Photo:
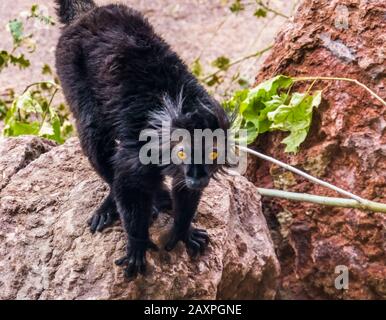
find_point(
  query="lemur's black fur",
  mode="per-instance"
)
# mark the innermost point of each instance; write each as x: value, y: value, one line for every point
x: 117, y: 75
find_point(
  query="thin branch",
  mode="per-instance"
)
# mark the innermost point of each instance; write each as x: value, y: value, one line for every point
x: 343, y: 79
x: 325, y: 201
x: 235, y: 62
x: 40, y: 83
x: 48, y: 107
x: 304, y: 175
x: 358, y: 202
x: 269, y: 9
x: 219, y: 27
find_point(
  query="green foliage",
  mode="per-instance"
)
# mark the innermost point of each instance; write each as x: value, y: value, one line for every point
x: 197, y: 68
x: 237, y: 6
x: 16, y: 30
x: 7, y: 58
x: 260, y: 8
x: 222, y: 63
x: 35, y: 13
x: 35, y: 111
x: 260, y: 13
x: 270, y: 106
x: 32, y: 113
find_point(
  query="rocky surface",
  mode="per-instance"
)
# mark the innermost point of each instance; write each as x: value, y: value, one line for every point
x: 346, y: 146
x: 15, y: 154
x: 47, y: 251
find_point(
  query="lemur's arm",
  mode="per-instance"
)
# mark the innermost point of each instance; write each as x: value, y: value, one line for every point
x: 185, y: 203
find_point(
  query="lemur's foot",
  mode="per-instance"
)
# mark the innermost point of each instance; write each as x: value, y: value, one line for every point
x: 104, y: 216
x: 196, y: 241
x: 134, y: 262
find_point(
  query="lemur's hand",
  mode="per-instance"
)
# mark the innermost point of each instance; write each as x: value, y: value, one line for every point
x: 196, y: 241
x: 135, y: 260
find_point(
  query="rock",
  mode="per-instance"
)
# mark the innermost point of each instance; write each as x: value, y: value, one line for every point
x: 15, y: 154
x: 48, y: 252
x: 346, y: 146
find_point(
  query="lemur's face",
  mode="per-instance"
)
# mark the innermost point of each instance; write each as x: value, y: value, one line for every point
x: 197, y: 140
x: 197, y: 164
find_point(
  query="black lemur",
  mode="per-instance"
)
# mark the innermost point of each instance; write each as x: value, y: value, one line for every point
x: 118, y: 76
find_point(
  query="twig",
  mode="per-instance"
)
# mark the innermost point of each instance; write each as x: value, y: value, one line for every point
x: 343, y: 79
x: 254, y: 55
x: 358, y: 202
x: 303, y: 174
x: 48, y: 107
x: 267, y: 8
x: 39, y: 83
x: 326, y: 201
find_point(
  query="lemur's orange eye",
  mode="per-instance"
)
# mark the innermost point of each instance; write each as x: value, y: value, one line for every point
x: 213, y: 155
x: 182, y: 155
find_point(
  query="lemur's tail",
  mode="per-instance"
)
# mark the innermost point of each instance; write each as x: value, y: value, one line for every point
x: 70, y: 10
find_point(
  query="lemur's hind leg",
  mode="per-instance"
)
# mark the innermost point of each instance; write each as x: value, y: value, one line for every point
x: 104, y: 216
x: 99, y: 153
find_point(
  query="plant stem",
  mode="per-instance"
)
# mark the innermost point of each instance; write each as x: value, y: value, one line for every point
x: 231, y: 64
x: 48, y: 107
x: 303, y: 174
x: 343, y: 79
x: 326, y: 201
x: 264, y: 6
x: 39, y: 83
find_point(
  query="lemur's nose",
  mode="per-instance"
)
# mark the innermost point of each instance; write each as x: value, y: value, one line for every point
x: 196, y: 184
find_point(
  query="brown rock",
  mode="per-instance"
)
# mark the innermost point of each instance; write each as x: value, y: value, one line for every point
x: 346, y: 146
x: 15, y: 154
x: 47, y: 251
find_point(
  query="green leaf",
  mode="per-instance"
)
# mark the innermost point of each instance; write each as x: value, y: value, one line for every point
x: 237, y: 6
x: 67, y: 129
x: 197, y: 68
x: 222, y: 63
x: 255, y: 104
x: 46, y: 130
x: 28, y: 104
x: 260, y: 13
x: 35, y: 13
x: 21, y: 128
x: 46, y: 70
x: 264, y: 92
x: 243, y: 83
x: 3, y: 108
x: 16, y: 30
x: 295, y: 118
x: 269, y: 107
x: 20, y: 61
x: 215, y: 79
x: 4, y: 59
x: 56, y: 126
x: 235, y: 102
x: 252, y: 132
x: 294, y: 140
x: 34, y: 9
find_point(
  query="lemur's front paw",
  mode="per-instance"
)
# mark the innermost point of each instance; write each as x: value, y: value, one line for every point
x: 196, y: 241
x: 135, y: 261
x: 100, y: 220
